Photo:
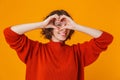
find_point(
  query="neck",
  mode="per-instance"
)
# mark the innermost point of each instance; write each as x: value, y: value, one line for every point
x: 53, y: 40
x: 56, y: 41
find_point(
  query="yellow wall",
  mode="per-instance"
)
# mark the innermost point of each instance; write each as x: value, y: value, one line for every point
x: 100, y: 14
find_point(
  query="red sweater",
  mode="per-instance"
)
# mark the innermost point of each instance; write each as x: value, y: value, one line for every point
x: 55, y: 60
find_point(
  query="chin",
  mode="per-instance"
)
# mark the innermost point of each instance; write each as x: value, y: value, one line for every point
x: 59, y: 38
x: 63, y: 39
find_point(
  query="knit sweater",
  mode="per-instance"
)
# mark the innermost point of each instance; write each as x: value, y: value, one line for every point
x: 56, y: 60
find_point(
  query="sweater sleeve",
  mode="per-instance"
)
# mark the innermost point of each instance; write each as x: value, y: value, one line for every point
x: 90, y: 50
x: 20, y: 43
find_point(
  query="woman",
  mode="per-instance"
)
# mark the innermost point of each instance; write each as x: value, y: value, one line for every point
x: 55, y: 60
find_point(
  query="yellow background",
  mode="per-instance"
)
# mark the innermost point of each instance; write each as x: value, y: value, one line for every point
x: 100, y: 14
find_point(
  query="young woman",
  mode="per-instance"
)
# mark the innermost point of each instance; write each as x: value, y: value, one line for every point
x: 55, y: 60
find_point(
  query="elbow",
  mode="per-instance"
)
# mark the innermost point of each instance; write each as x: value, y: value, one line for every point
x: 110, y: 38
x: 5, y: 32
x: 107, y: 37
x: 104, y: 40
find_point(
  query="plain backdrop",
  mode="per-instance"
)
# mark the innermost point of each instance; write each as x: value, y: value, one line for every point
x: 99, y: 14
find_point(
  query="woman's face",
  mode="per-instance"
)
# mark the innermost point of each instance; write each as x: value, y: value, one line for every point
x: 60, y: 35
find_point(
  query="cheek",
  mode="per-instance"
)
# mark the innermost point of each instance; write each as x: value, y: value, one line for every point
x: 55, y: 31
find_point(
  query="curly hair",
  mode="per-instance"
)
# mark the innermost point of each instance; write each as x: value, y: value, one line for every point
x: 48, y: 32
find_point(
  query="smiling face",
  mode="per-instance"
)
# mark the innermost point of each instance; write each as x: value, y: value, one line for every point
x: 60, y: 35
x: 57, y: 35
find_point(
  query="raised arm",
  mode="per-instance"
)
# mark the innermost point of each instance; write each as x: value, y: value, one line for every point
x: 91, y: 31
x: 22, y: 44
x: 74, y: 26
x: 89, y: 50
x: 22, y: 28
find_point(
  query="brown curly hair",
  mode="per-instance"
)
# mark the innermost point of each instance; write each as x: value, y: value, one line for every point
x: 48, y: 32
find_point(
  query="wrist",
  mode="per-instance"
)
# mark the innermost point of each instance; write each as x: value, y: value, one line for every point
x: 41, y: 24
x: 76, y: 26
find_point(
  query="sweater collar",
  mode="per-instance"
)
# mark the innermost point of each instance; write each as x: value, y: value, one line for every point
x: 52, y: 43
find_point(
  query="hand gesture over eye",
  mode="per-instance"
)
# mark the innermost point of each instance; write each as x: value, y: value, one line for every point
x: 49, y: 22
x: 69, y: 23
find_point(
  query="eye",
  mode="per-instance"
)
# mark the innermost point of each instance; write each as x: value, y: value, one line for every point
x: 57, y: 24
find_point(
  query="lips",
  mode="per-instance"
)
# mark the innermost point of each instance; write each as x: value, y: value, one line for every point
x: 63, y: 33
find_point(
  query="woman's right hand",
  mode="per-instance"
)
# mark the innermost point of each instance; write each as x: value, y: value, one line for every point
x: 49, y: 22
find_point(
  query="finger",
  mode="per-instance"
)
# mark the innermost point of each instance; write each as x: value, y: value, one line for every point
x: 63, y: 27
x: 55, y: 16
x: 64, y: 20
x: 52, y: 18
x: 52, y: 26
x: 64, y: 17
